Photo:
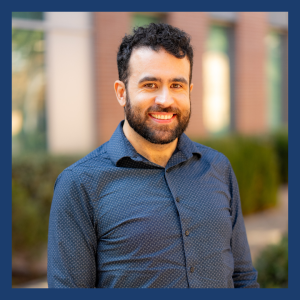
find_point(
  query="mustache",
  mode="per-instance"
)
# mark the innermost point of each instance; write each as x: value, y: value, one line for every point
x: 157, y: 108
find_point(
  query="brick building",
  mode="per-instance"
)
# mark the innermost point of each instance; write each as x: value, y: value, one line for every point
x: 64, y: 67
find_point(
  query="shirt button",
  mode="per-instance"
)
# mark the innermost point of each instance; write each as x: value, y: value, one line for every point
x: 187, y: 232
x: 192, y: 269
x: 177, y: 199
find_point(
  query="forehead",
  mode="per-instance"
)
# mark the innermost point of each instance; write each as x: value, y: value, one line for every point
x: 145, y: 61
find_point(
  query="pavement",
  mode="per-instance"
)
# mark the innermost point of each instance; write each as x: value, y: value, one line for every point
x: 263, y: 228
x: 267, y: 227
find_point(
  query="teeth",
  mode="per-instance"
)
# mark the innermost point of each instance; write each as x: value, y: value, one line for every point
x: 162, y: 117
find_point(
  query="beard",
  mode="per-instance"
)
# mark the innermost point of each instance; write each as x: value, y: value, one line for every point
x: 162, y: 133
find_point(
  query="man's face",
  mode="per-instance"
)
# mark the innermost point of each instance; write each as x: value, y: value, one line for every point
x: 158, y: 95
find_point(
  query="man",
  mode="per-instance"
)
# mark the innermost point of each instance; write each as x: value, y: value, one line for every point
x: 150, y: 208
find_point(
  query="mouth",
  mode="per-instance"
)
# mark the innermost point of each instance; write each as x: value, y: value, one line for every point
x: 162, y: 117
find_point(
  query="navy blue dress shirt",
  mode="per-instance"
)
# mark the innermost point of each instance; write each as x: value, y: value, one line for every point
x: 120, y: 221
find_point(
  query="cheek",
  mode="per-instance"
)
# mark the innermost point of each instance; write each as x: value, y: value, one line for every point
x: 143, y: 101
x: 183, y: 96
x: 184, y: 103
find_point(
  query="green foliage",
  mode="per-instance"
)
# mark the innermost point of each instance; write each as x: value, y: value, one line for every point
x: 255, y: 165
x: 280, y: 144
x: 33, y: 178
x: 272, y: 265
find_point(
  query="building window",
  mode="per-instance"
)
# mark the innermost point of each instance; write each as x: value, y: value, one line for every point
x: 29, y: 15
x: 143, y: 19
x: 276, y: 79
x: 28, y: 91
x: 217, y: 80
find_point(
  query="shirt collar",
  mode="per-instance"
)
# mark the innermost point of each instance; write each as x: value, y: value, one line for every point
x: 119, y: 147
x: 187, y: 147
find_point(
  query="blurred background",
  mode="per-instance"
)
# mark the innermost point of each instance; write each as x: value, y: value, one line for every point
x: 64, y: 106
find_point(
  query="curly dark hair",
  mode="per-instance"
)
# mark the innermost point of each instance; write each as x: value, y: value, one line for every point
x: 155, y: 36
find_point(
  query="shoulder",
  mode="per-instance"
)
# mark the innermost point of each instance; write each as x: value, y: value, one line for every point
x: 215, y: 161
x: 212, y: 156
x: 92, y: 163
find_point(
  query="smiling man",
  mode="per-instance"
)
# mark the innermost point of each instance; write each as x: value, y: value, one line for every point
x: 156, y: 101
x: 150, y: 208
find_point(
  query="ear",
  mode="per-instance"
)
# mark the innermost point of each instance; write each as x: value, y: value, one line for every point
x: 191, y: 87
x: 120, y: 92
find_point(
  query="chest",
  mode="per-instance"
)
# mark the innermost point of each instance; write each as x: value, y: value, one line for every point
x: 152, y: 204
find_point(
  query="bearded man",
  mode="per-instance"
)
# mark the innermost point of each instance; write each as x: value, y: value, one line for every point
x: 150, y: 208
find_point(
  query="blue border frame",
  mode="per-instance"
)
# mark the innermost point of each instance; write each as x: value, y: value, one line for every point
x: 5, y: 120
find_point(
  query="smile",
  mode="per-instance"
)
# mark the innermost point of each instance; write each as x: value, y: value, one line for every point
x: 162, y: 117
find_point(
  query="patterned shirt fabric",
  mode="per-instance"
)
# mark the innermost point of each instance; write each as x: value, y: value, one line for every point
x: 120, y: 221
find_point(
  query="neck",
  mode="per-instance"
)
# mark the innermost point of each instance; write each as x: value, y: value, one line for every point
x: 156, y: 153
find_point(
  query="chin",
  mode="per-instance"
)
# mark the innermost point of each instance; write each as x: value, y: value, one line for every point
x: 159, y: 139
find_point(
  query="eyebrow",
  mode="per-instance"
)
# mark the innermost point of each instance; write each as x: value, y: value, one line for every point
x: 148, y: 78
x: 180, y: 79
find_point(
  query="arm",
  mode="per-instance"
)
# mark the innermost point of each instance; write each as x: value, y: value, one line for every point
x: 244, y: 275
x: 72, y: 240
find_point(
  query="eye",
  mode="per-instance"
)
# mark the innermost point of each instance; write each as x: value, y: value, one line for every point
x: 176, y: 85
x: 150, y: 85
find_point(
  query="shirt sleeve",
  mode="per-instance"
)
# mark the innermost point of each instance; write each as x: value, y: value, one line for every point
x: 72, y: 239
x: 244, y: 275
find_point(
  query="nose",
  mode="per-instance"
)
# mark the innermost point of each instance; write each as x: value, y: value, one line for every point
x: 164, y: 98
